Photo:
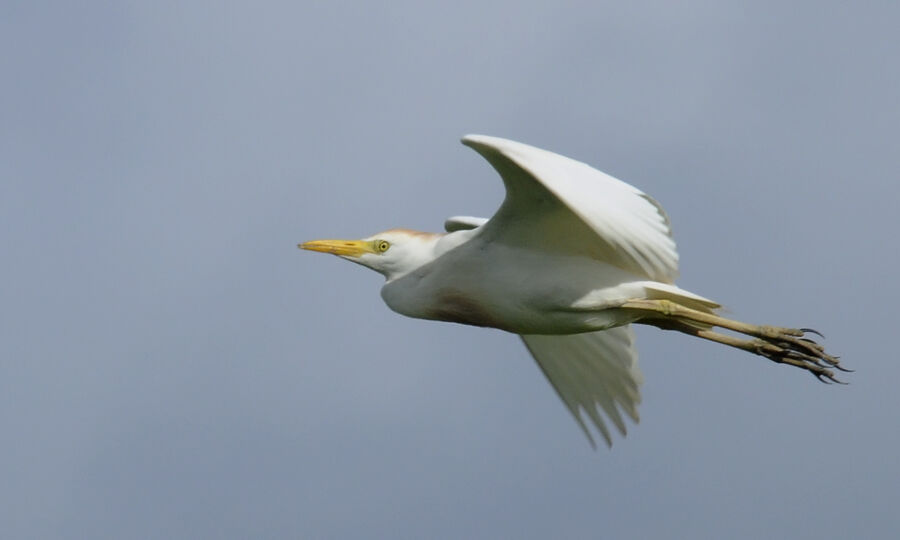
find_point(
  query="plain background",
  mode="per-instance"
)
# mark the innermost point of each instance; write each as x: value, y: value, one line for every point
x: 171, y: 366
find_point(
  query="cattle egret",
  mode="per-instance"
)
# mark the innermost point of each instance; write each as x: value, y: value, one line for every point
x: 571, y: 258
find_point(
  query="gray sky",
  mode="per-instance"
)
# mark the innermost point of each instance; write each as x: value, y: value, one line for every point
x: 172, y: 366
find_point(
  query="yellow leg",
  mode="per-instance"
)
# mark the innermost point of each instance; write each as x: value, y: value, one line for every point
x: 781, y: 345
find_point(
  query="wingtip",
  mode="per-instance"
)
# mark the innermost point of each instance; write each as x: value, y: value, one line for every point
x: 487, y: 145
x: 474, y: 139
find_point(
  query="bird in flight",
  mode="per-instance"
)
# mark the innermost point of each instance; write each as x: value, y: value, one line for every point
x: 568, y: 262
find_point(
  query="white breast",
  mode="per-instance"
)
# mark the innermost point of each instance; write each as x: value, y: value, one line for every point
x: 513, y: 289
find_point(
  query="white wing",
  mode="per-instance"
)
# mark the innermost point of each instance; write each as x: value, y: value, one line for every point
x: 592, y: 372
x: 555, y: 203
x: 463, y: 223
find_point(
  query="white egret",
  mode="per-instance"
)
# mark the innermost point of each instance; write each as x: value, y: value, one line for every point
x: 569, y: 260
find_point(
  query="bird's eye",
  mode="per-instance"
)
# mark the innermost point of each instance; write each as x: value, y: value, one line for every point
x: 382, y: 245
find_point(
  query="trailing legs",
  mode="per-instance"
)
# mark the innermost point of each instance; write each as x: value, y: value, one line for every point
x: 781, y: 345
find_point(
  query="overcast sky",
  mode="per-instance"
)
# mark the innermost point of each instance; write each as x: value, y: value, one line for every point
x: 171, y: 366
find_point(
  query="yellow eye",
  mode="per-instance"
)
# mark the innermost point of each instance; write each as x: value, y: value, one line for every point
x: 382, y: 245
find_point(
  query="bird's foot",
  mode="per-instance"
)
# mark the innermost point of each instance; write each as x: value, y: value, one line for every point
x: 791, y: 346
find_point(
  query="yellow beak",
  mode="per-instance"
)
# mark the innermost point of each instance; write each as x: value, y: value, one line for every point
x: 344, y: 248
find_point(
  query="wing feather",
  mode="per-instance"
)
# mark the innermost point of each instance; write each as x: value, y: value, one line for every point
x: 592, y: 372
x: 557, y: 204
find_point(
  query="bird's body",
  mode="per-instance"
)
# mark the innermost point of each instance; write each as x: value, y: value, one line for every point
x: 568, y: 261
x: 508, y: 287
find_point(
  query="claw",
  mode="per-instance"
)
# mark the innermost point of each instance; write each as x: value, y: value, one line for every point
x: 831, y: 379
x: 812, y: 331
x: 797, y: 355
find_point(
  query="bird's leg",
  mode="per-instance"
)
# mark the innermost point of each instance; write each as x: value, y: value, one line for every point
x: 781, y: 345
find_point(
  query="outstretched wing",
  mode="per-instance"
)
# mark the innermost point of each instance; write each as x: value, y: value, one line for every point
x: 554, y: 203
x: 592, y: 372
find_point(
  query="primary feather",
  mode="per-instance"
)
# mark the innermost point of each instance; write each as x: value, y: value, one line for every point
x: 592, y: 372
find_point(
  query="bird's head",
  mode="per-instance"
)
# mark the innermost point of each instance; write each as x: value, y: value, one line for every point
x: 393, y: 253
